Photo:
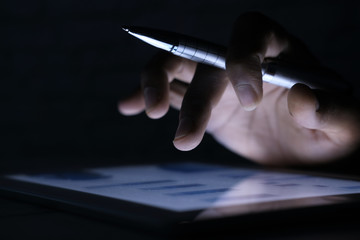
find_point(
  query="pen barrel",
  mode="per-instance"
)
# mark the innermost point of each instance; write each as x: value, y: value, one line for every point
x: 286, y: 75
x: 205, y: 52
x: 201, y: 52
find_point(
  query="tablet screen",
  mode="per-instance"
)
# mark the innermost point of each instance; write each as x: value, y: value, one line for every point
x: 183, y: 187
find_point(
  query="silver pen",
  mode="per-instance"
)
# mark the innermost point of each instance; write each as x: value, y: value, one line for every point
x: 280, y: 74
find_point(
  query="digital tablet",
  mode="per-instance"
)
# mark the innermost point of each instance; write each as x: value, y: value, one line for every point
x: 184, y: 195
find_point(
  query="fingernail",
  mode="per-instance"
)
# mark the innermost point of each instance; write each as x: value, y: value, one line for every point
x: 151, y: 96
x: 185, y: 125
x: 247, y: 96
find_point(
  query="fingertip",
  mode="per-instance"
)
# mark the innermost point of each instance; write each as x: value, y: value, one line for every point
x: 157, y: 112
x: 156, y: 104
x: 186, y: 143
x: 248, y: 97
x: 122, y: 108
x: 186, y: 137
x: 246, y: 78
x: 303, y: 106
x: 301, y: 97
x: 131, y: 105
x: 129, y: 108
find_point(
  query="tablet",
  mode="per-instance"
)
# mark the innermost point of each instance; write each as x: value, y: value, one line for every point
x: 155, y: 196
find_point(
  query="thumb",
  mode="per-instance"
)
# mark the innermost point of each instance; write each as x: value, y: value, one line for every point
x: 334, y: 115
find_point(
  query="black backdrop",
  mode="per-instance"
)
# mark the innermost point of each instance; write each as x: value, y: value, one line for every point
x: 64, y: 65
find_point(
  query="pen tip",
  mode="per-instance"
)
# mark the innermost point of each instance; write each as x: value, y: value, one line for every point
x: 125, y: 28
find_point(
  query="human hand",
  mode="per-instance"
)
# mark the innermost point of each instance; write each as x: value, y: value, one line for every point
x: 263, y: 122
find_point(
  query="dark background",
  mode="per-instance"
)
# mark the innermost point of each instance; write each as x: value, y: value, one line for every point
x: 65, y: 64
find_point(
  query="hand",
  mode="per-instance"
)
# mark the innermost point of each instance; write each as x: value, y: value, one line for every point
x: 263, y: 122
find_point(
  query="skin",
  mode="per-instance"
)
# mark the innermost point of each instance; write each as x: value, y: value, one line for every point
x: 263, y: 122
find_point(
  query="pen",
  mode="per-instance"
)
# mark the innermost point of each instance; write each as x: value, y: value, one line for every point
x: 280, y: 74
